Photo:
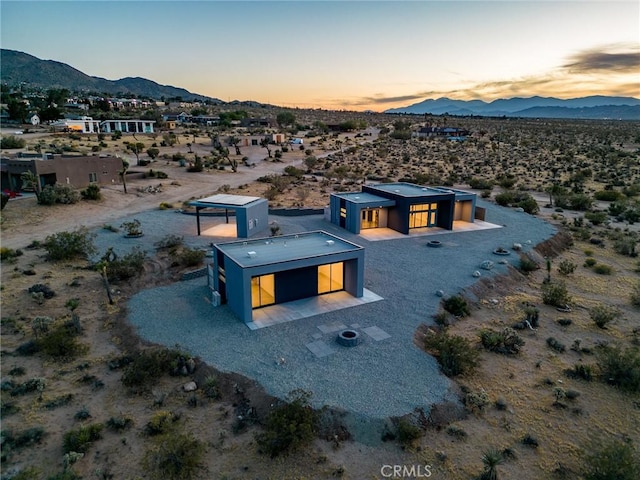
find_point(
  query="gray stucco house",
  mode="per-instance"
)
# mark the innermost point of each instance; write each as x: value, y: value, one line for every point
x: 257, y: 273
x: 402, y: 207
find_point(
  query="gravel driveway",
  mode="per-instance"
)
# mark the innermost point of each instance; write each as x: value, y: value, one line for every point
x: 386, y: 375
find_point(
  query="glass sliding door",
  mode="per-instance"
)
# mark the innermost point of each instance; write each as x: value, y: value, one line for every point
x: 330, y: 278
x: 263, y: 290
x: 369, y: 218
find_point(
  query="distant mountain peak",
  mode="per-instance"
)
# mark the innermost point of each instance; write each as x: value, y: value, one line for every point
x: 591, y: 107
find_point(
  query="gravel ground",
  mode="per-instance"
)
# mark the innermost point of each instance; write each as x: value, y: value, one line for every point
x: 376, y: 379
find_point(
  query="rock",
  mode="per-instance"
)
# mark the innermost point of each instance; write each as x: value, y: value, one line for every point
x: 517, y: 246
x: 476, y: 274
x: 494, y: 301
x: 486, y: 265
x: 519, y: 209
x: 190, y: 387
x: 440, y: 293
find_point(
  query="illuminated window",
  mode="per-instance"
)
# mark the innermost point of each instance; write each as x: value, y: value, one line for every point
x: 343, y: 212
x: 423, y: 215
x: 263, y: 291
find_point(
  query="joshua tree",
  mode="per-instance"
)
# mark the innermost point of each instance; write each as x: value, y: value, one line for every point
x: 235, y: 141
x: 123, y: 174
x: 30, y: 179
x: 264, y: 143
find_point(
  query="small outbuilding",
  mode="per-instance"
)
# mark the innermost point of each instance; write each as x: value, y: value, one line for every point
x: 251, y: 213
x: 247, y: 275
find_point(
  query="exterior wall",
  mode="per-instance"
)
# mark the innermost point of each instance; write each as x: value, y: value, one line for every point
x: 252, y: 219
x: 127, y: 126
x: 70, y: 170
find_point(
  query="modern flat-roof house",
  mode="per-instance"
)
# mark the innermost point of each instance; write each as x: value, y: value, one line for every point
x: 247, y: 275
x: 79, y: 125
x: 251, y: 213
x: 127, y: 126
x: 401, y: 207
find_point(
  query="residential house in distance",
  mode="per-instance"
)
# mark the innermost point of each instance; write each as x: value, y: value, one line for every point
x: 76, y: 170
x: 450, y: 133
x: 79, y: 124
x: 127, y: 126
x: 248, y: 275
x: 402, y: 207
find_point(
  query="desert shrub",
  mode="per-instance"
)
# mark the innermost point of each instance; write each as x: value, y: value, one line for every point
x: 614, y: 460
x: 506, y: 342
x: 566, y: 267
x: 608, y: 195
x: 555, y: 294
x: 626, y: 246
x: 150, y: 365
x: 456, y: 305
x: 556, y: 345
x: 211, y: 388
x: 31, y: 385
x: 165, y: 206
x: 46, y: 290
x: 596, y: 218
x: 290, y: 426
x: 169, y: 241
x: 590, y: 262
x: 80, y: 439
x: 602, y: 269
x: 58, y: 193
x: 476, y: 401
x: 529, y: 204
x: 118, y: 424
x: 16, y: 440
x: 7, y: 253
x: 480, y: 184
x: 132, y: 228
x: 175, y: 456
x: 69, y: 245
x: 504, y: 199
x: 160, y: 422
x: 580, y: 371
x: 59, y: 401
x: 456, y: 432
x: 620, y: 367
x: 61, y: 343
x: 126, y: 267
x: 190, y: 257
x: 11, y: 142
x: 456, y: 355
x: 527, y: 265
x: 604, y: 314
x: 530, y: 441
x: 407, y: 432
x: 92, y: 192
x: 65, y: 475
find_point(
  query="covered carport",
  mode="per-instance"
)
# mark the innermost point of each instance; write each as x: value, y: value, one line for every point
x: 251, y: 213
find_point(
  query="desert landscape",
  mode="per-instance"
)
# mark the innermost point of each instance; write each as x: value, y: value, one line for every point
x: 549, y: 383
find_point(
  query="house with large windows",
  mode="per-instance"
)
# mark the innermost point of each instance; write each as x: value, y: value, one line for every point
x: 253, y: 274
x: 402, y: 207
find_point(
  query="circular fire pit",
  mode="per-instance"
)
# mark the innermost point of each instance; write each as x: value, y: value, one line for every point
x: 348, y: 338
x: 434, y: 243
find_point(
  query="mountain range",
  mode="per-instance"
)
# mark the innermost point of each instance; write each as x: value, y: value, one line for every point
x: 21, y: 68
x: 593, y: 107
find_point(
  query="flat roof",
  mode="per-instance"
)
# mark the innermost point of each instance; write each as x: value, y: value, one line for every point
x: 284, y: 248
x: 224, y: 200
x: 410, y: 189
x: 366, y: 198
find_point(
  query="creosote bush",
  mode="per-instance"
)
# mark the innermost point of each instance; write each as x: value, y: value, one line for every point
x: 150, y: 365
x: 456, y: 355
x: 614, y: 460
x: 456, y: 305
x: 620, y: 367
x: 555, y: 294
x: 69, y: 245
x: 80, y: 439
x: 408, y: 432
x: 506, y: 342
x: 604, y: 314
x: 175, y: 456
x: 290, y: 426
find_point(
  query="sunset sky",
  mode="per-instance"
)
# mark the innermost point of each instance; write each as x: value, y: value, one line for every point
x: 353, y: 55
